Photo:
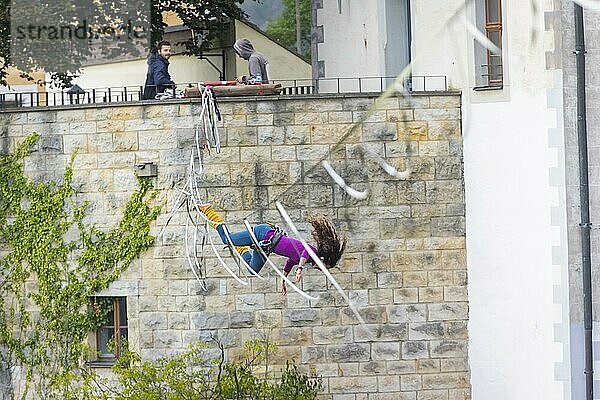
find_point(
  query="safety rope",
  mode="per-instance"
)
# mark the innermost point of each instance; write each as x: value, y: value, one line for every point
x: 206, y: 136
x: 231, y: 246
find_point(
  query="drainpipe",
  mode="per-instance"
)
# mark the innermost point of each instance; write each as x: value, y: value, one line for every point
x: 584, y: 198
x: 409, y: 28
x: 409, y: 40
x: 314, y: 44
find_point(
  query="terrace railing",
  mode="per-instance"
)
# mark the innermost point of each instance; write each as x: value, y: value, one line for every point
x: 291, y: 87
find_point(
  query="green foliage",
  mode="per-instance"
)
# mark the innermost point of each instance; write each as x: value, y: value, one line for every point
x: 52, y: 264
x: 206, y: 18
x: 284, y: 28
x: 63, y: 59
x: 191, y: 376
x: 52, y: 35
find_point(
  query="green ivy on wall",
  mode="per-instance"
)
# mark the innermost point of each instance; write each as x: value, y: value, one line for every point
x: 51, y: 264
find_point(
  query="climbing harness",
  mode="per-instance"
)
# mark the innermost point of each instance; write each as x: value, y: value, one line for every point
x: 269, y: 245
x: 273, y: 266
x: 242, y: 264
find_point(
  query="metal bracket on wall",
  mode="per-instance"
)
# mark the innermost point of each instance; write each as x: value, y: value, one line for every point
x: 589, y: 225
x: 146, y: 170
x: 221, y: 71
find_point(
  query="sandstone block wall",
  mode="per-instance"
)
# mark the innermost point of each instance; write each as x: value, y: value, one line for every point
x: 405, y: 264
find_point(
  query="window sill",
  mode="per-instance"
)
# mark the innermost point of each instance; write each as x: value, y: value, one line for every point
x: 484, y: 88
x: 105, y: 363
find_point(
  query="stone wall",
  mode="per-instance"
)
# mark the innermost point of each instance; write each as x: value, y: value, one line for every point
x: 404, y: 267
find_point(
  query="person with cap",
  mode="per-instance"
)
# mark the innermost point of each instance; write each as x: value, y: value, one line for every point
x: 257, y: 63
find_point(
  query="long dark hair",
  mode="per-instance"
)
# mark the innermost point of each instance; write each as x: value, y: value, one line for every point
x: 329, y: 244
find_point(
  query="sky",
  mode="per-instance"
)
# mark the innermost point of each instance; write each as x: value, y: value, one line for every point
x: 261, y: 11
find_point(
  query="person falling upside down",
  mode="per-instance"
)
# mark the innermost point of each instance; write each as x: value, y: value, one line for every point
x: 329, y: 246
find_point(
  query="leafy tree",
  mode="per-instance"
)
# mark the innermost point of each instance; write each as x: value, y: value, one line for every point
x: 59, y: 36
x: 206, y: 18
x: 191, y: 376
x: 44, y: 47
x: 284, y: 28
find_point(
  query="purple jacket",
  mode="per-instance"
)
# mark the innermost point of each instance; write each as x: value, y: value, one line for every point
x: 292, y: 249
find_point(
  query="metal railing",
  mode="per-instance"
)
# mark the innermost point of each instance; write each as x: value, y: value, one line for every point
x: 362, y: 84
x: 291, y: 87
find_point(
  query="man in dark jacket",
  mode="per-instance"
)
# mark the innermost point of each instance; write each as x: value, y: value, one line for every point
x: 158, y: 78
x: 257, y: 63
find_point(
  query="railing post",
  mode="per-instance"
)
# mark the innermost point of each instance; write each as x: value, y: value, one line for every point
x: 109, y: 96
x: 359, y: 84
x: 125, y: 93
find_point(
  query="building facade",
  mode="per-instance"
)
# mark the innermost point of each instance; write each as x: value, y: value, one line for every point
x: 521, y: 172
x: 404, y: 267
x: 509, y: 227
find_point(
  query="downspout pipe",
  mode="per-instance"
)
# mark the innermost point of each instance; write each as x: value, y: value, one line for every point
x: 314, y: 43
x: 409, y: 36
x: 584, y: 199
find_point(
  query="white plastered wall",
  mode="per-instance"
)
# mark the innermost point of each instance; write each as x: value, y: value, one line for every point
x: 183, y: 69
x: 354, y: 41
x: 511, y: 237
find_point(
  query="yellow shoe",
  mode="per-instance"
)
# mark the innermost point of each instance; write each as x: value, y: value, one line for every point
x: 242, y: 249
x: 212, y: 215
